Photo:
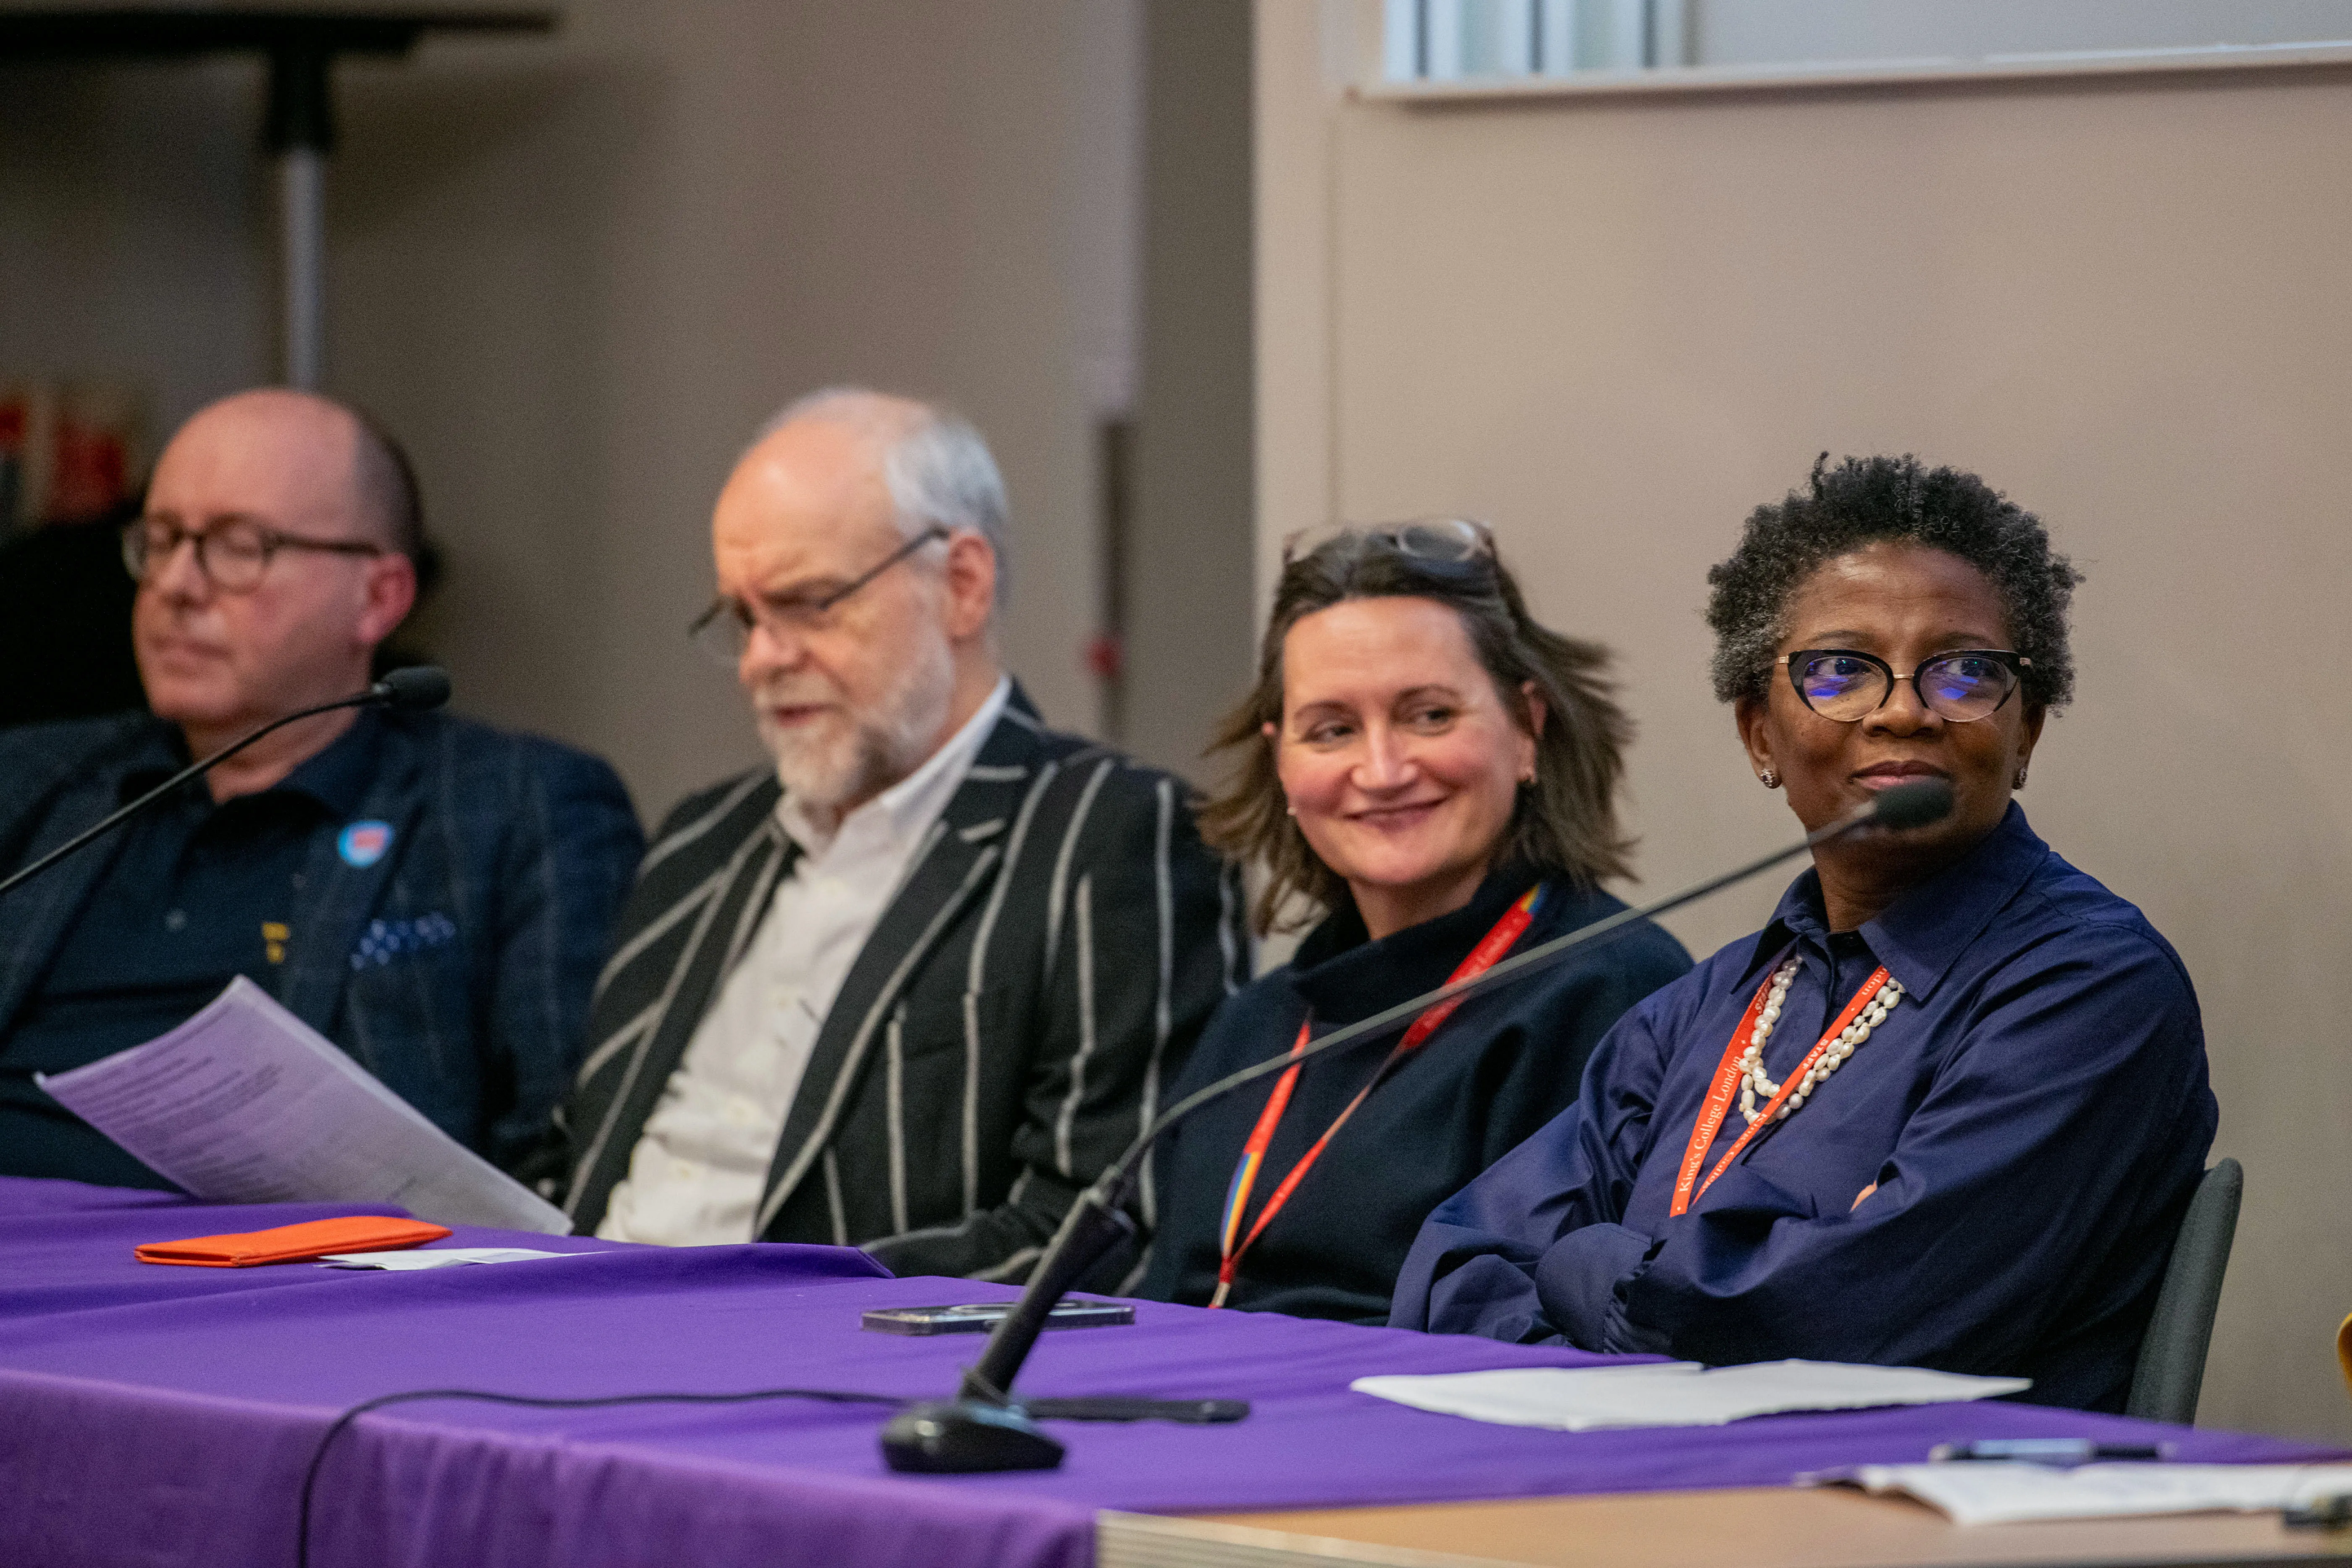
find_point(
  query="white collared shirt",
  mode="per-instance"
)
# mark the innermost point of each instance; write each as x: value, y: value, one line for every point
x: 696, y: 1175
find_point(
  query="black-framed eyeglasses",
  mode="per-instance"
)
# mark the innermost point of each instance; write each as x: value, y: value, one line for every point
x: 1963, y: 686
x: 232, y: 554
x: 724, y: 630
x: 1441, y: 541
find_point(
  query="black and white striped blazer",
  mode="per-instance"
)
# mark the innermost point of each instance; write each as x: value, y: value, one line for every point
x: 1044, y: 969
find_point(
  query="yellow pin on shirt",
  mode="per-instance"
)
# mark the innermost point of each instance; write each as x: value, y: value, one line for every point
x: 273, y: 940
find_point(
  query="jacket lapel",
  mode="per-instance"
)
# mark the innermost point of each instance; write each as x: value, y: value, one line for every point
x: 960, y: 859
x: 337, y: 899
x: 39, y: 913
x: 713, y: 894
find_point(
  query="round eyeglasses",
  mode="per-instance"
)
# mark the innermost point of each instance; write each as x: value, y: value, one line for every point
x: 1846, y: 687
x: 231, y: 554
x: 724, y: 630
x: 1440, y: 540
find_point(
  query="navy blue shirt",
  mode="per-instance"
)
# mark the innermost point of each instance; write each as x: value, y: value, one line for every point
x: 2034, y: 1115
x: 197, y: 894
x: 1500, y: 1066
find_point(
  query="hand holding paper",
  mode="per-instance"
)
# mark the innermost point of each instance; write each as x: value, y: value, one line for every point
x: 244, y: 1103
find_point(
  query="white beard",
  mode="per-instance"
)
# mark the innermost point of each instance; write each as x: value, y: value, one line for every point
x: 827, y: 769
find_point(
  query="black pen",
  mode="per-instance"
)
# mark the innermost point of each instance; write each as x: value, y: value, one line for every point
x: 2046, y: 1450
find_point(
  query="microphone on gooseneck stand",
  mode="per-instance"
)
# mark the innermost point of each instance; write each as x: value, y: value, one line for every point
x: 983, y: 1428
x: 412, y: 689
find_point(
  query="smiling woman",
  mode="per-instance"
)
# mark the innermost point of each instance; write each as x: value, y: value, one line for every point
x: 1436, y: 772
x: 2019, y: 1111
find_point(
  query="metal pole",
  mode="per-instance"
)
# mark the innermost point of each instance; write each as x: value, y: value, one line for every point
x: 303, y: 218
x: 301, y: 132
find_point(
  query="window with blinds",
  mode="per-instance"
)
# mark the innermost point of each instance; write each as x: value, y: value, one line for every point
x: 1492, y: 40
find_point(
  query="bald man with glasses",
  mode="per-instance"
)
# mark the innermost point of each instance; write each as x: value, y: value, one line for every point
x: 915, y: 983
x: 431, y: 894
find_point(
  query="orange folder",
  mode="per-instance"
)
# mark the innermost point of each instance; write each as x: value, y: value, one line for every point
x: 294, y: 1243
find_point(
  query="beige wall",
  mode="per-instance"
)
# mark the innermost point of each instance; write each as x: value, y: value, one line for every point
x: 575, y: 273
x: 1612, y: 327
x: 581, y: 274
x: 1188, y: 567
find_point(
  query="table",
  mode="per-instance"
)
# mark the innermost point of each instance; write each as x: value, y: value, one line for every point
x: 1752, y: 1527
x: 162, y: 1414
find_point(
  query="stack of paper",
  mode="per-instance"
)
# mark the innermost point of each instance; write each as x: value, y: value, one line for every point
x: 2005, y: 1493
x: 1675, y: 1394
x: 440, y: 1258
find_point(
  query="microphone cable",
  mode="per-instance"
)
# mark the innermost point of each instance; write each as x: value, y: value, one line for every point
x: 1196, y: 1412
x: 414, y: 689
x: 1905, y: 805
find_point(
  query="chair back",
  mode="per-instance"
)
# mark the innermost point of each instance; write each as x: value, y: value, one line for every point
x: 2172, y: 1367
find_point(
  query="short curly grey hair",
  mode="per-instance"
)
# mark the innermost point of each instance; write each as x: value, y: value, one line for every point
x: 1860, y: 502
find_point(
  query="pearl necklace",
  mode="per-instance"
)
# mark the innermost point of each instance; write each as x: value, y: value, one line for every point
x: 1756, y: 1084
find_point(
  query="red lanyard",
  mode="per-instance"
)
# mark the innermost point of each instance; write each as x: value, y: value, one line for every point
x: 1717, y: 1104
x: 1231, y: 1243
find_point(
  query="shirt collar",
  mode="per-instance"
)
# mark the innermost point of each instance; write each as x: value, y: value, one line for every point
x: 336, y: 776
x: 1922, y: 934
x: 1345, y: 976
x: 907, y: 808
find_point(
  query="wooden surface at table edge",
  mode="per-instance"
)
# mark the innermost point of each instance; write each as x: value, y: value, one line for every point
x: 1764, y: 1527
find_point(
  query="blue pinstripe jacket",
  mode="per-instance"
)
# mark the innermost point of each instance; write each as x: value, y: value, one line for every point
x: 1044, y: 970
x: 521, y: 845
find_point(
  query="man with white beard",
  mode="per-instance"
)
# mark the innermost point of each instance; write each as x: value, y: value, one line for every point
x: 913, y: 987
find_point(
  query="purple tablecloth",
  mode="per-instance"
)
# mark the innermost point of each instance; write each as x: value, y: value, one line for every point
x: 165, y: 1416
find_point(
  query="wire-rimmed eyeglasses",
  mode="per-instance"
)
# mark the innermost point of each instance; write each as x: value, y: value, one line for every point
x: 1845, y: 686
x: 724, y: 630
x: 232, y: 554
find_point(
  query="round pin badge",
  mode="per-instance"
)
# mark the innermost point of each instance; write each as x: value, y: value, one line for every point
x: 362, y: 844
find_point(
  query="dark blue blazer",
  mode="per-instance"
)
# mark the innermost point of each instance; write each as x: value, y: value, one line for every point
x: 523, y: 846
x: 1499, y: 1067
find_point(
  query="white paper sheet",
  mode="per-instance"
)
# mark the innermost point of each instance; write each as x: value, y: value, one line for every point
x: 1674, y: 1394
x: 244, y: 1103
x: 1998, y: 1492
x: 439, y: 1258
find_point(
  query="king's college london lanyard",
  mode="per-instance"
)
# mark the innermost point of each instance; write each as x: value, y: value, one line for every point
x: 1717, y: 1104
x: 1231, y: 1243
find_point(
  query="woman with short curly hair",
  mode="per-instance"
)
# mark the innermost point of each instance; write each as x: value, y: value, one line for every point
x: 1948, y: 1108
x: 1434, y: 773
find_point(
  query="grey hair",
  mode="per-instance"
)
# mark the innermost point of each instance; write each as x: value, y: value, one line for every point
x: 938, y: 467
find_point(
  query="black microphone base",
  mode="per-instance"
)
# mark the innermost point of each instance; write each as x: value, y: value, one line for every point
x: 961, y: 1436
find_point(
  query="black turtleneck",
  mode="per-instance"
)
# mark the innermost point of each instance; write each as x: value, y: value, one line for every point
x: 1500, y: 1068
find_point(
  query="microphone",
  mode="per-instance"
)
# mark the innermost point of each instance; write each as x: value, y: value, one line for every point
x: 984, y: 1429
x: 410, y: 690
